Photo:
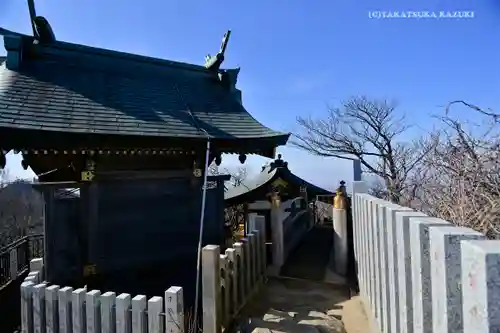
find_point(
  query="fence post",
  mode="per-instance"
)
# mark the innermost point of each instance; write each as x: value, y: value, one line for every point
x: 174, y: 310
x: 421, y: 272
x: 211, y: 289
x: 65, y: 320
x: 246, y: 268
x: 340, y: 241
x: 123, y: 314
x: 238, y: 247
x: 108, y: 323
x: 480, y: 287
x: 404, y: 262
x: 393, y: 324
x: 358, y: 187
x: 251, y: 257
x: 225, y: 309
x: 13, y: 263
x: 78, y: 310
x: 51, y: 309
x: 232, y: 258
x: 139, y: 308
x: 34, y: 277
x: 277, y: 234
x: 446, y: 276
x: 251, y: 222
x: 93, y: 316
x: 39, y: 307
x: 257, y: 255
x: 260, y: 222
x: 155, y: 308
x: 36, y: 264
x: 27, y: 307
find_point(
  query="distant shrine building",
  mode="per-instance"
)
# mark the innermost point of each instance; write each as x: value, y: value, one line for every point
x: 275, y: 187
x: 118, y: 142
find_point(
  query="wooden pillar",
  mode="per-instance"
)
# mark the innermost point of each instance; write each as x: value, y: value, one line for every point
x: 245, y: 219
x: 91, y: 201
x: 49, y: 231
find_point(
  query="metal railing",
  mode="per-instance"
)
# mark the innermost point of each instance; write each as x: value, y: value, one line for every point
x: 23, y: 250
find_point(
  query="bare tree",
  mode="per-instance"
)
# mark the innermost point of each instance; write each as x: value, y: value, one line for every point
x: 459, y: 179
x: 21, y: 209
x: 369, y: 130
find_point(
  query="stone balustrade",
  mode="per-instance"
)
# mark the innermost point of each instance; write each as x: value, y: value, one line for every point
x: 419, y: 274
x: 229, y: 280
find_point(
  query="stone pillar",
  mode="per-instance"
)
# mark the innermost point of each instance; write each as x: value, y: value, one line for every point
x: 155, y: 313
x: 93, y: 311
x: 356, y: 168
x: 139, y: 319
x: 36, y: 265
x: 393, y: 323
x: 211, y: 288
x: 65, y: 314
x: 381, y: 225
x: 52, y: 309
x: 174, y: 310
x: 261, y: 226
x: 363, y: 241
x: 27, y: 307
x: 404, y: 262
x: 421, y: 272
x: 340, y: 243
x: 357, y: 188
x: 446, y: 276
x: 277, y: 235
x: 251, y: 223
x: 480, y: 286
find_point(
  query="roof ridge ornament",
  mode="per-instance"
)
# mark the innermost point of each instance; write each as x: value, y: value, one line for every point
x: 42, y: 31
x: 214, y: 62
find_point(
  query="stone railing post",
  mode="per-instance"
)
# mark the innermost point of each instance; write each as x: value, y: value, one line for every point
x: 27, y: 307
x: 251, y: 222
x: 421, y: 271
x: 340, y: 242
x: 446, y: 276
x: 480, y: 287
x: 211, y: 289
x: 174, y: 310
x: 357, y: 188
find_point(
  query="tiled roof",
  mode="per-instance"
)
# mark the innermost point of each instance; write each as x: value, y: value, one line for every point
x: 79, y: 89
x: 267, y: 175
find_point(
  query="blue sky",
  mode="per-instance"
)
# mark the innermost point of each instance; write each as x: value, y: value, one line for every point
x: 298, y: 56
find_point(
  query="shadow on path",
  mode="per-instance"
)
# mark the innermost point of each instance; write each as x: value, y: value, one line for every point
x: 300, y: 301
x: 310, y: 259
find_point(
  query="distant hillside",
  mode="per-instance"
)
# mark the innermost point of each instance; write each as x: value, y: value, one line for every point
x: 21, y: 211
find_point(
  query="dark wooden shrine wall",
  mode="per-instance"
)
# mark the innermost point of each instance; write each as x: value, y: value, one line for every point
x: 131, y: 226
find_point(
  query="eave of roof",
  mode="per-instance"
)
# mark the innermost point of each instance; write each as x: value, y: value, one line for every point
x: 268, y: 175
x: 70, y: 88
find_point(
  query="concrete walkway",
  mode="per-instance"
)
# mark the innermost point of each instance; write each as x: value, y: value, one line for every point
x: 311, y: 258
x: 300, y: 299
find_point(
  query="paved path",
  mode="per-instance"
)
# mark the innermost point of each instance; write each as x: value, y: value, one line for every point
x: 310, y: 259
x: 300, y: 301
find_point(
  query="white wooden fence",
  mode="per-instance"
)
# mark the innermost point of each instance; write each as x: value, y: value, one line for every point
x: 229, y: 280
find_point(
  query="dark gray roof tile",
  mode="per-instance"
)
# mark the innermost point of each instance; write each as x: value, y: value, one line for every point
x: 87, y: 90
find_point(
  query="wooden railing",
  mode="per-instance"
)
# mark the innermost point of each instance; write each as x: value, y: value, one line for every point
x: 15, y: 257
